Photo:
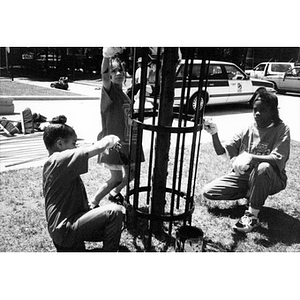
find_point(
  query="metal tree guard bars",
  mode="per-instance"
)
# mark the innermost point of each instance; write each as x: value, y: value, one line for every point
x: 164, y: 184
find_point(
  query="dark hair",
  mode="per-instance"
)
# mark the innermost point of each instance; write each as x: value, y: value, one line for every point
x: 120, y: 63
x: 271, y: 100
x: 57, y: 129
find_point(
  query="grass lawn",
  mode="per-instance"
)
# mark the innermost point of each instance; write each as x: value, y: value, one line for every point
x: 23, y: 224
x: 14, y: 88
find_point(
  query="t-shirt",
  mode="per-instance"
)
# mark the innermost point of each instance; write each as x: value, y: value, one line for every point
x: 64, y: 191
x: 115, y: 111
x: 138, y: 74
x: 273, y: 140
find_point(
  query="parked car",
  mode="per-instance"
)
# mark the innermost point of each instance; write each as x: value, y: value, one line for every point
x: 288, y: 82
x: 227, y: 83
x: 266, y: 69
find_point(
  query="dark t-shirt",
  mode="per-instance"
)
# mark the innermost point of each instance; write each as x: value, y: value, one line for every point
x: 115, y: 111
x: 64, y: 191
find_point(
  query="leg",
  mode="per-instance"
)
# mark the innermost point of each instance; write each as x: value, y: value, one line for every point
x: 124, y: 182
x: 100, y: 224
x: 227, y: 187
x: 116, y: 177
x: 263, y: 182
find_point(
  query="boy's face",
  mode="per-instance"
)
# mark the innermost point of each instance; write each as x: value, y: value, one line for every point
x: 69, y: 143
x: 262, y: 114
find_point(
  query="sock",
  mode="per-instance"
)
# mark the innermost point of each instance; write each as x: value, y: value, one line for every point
x: 254, y: 211
x: 113, y: 193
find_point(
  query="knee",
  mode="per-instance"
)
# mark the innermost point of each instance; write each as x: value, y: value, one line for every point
x: 264, y: 168
x: 116, y: 211
x: 207, y: 192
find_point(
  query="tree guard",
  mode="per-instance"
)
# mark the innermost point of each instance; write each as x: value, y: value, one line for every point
x: 169, y: 140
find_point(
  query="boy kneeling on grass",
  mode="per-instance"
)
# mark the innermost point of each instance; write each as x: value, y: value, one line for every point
x: 258, y: 154
x: 70, y: 220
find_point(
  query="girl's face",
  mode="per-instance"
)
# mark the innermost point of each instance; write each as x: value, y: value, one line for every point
x: 117, y: 74
x: 262, y: 114
x: 69, y: 143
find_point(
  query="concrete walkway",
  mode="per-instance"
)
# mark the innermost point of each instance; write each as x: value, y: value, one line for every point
x: 82, y: 113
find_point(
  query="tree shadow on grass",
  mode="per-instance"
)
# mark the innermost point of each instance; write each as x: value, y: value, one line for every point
x: 142, y: 239
x: 281, y: 227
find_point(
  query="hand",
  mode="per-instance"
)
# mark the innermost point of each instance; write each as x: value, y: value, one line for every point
x: 111, y: 141
x: 210, y: 127
x: 111, y: 51
x: 242, y: 163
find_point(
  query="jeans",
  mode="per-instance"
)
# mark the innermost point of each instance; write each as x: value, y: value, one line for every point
x: 256, y: 185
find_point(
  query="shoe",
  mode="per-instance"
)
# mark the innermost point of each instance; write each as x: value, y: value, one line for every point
x: 8, y: 127
x: 92, y: 206
x: 247, y: 223
x: 27, y: 121
x: 119, y: 199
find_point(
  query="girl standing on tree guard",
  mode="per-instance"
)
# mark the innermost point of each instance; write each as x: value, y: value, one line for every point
x: 115, y: 110
x: 258, y: 154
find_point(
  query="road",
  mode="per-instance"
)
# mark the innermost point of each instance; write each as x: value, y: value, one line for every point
x: 84, y: 116
x: 230, y: 117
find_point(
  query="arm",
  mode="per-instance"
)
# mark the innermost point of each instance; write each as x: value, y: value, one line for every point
x: 257, y: 159
x: 108, y: 52
x: 105, y: 72
x: 212, y: 128
x: 98, y: 147
x: 217, y: 144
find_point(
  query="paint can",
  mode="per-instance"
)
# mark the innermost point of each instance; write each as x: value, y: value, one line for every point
x: 189, y: 239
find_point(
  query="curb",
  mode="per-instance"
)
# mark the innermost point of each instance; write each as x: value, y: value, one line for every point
x: 45, y: 98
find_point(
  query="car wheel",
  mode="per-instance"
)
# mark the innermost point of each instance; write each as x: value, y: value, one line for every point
x: 192, y: 103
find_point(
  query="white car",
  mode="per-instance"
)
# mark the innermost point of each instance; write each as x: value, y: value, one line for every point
x: 266, y: 69
x: 226, y: 83
x: 288, y: 82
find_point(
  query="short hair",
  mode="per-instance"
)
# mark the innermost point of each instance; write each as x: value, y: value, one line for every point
x: 271, y: 100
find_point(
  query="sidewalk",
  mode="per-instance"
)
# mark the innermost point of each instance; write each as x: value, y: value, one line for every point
x: 82, y: 112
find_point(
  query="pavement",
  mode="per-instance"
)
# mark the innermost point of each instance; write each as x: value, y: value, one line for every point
x: 82, y: 112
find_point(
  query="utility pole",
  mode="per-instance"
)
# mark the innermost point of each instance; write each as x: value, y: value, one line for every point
x: 7, y: 52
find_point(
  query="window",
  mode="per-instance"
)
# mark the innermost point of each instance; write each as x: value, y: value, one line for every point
x: 233, y: 73
x: 215, y: 72
x: 280, y: 67
x: 260, y: 67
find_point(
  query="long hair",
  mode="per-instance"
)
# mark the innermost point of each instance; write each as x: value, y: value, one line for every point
x: 271, y: 100
x: 57, y: 129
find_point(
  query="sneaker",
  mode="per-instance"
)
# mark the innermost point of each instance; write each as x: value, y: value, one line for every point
x: 8, y: 127
x: 119, y: 199
x: 247, y: 223
x: 27, y: 121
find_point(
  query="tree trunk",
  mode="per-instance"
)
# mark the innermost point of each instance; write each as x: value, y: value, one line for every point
x: 163, y: 138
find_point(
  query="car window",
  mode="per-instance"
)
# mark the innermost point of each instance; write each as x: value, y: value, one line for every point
x: 233, y: 73
x: 294, y: 72
x: 260, y: 67
x: 280, y: 67
x: 195, y: 71
x: 214, y: 72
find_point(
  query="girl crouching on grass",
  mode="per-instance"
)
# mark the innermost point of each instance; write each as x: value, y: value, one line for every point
x: 70, y: 220
x: 258, y: 153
